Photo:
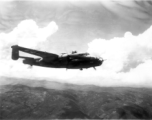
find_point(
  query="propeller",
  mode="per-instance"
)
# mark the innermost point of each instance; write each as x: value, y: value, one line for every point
x: 30, y: 67
x: 99, y: 58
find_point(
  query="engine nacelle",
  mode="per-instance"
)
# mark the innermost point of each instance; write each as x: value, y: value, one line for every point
x: 15, y: 53
x: 29, y: 61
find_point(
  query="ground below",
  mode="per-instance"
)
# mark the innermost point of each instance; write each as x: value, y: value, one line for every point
x: 24, y: 102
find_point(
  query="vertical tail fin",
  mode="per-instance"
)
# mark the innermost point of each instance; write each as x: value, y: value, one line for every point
x: 15, y: 52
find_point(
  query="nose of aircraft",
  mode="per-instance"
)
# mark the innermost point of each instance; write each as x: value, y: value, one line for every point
x: 100, y: 62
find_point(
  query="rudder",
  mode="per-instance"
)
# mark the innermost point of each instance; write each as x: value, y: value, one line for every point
x: 15, y: 52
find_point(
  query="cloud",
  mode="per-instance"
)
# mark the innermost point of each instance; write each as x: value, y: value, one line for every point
x: 132, y: 9
x: 139, y: 76
x: 128, y: 58
x: 26, y: 34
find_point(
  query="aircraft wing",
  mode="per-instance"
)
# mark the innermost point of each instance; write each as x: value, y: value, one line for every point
x: 35, y: 52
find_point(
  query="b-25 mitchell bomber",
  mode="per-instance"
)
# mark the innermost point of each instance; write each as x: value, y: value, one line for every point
x: 69, y: 61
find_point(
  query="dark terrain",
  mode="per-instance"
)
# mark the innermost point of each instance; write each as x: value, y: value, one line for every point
x: 27, y: 102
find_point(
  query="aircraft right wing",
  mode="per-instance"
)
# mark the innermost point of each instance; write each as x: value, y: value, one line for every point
x: 35, y: 52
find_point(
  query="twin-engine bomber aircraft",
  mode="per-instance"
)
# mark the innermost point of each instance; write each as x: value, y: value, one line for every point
x: 69, y: 61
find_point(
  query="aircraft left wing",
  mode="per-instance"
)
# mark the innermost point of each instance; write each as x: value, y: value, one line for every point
x: 35, y: 52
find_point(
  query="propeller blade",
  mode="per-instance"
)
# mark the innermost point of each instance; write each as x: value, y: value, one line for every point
x: 30, y: 67
x: 94, y: 68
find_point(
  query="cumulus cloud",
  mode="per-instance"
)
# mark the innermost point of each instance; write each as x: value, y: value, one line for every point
x: 26, y: 34
x: 128, y: 58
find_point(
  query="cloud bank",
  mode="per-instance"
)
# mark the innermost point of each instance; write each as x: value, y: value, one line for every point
x: 27, y: 34
x: 128, y: 58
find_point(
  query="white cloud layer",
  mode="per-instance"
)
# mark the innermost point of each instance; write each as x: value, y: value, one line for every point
x: 128, y: 59
x: 26, y: 34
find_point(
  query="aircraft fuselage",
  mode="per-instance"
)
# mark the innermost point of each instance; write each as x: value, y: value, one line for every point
x: 72, y: 61
x: 62, y: 62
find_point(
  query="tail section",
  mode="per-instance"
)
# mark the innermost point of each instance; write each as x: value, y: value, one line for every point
x: 15, y: 52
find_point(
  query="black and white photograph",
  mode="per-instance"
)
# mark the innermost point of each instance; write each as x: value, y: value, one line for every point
x: 75, y: 59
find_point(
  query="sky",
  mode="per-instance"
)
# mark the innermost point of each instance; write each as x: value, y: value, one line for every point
x: 118, y: 31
